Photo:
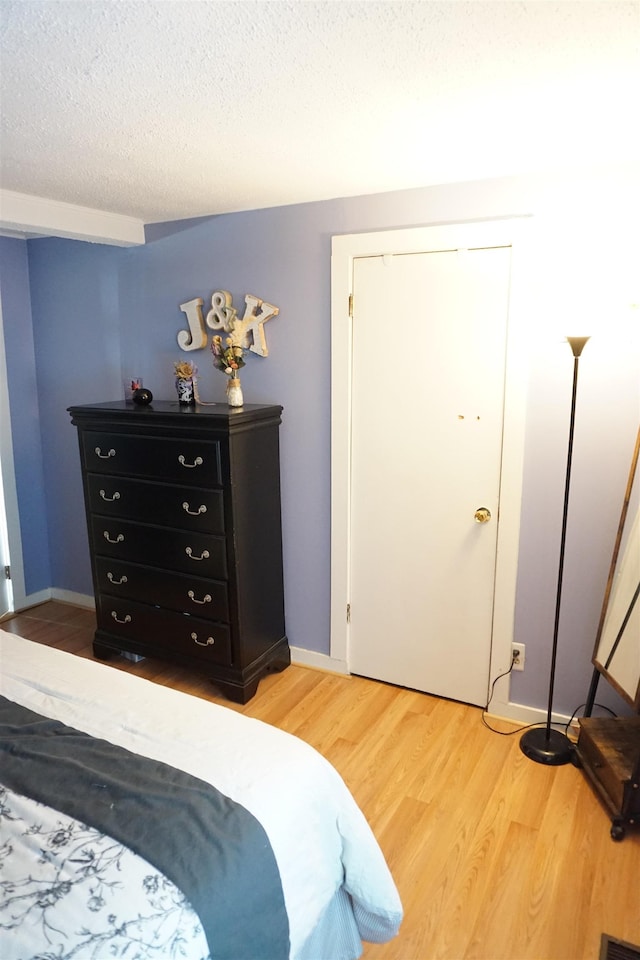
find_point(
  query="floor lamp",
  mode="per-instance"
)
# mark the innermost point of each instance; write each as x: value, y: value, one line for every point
x: 543, y: 744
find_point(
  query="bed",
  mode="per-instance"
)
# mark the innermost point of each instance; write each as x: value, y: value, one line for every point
x: 140, y: 822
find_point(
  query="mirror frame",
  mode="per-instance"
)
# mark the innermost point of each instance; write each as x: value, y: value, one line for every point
x: 631, y: 696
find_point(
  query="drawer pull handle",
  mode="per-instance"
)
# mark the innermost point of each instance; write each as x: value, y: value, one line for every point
x: 192, y: 596
x: 203, y: 556
x: 116, y: 496
x: 196, y: 463
x: 127, y: 618
x: 105, y: 456
x: 202, y: 643
x: 112, y: 579
x: 194, y: 513
x: 118, y: 539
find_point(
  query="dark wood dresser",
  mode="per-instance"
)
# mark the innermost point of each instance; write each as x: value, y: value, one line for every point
x: 183, y: 514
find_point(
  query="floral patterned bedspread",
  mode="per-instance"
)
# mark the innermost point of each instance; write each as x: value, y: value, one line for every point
x: 62, y: 895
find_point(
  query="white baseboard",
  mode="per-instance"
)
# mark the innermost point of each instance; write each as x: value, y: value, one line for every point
x: 54, y: 593
x: 320, y: 661
x: 70, y: 596
x: 33, y: 599
x: 526, y: 715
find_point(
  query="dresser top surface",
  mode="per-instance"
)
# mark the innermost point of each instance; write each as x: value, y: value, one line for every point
x: 171, y: 411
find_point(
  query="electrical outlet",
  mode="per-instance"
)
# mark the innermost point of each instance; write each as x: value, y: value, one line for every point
x: 517, y: 655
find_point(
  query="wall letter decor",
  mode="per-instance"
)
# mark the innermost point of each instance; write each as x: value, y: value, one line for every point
x: 195, y: 337
x: 247, y: 333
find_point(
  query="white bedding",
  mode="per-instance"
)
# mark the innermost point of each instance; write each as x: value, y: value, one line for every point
x: 320, y: 838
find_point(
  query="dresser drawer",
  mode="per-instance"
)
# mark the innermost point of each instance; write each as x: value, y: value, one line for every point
x: 192, y: 508
x: 185, y: 551
x: 207, y: 599
x: 165, y: 631
x: 193, y: 462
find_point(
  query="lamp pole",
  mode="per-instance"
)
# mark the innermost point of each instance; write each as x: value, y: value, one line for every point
x: 543, y: 744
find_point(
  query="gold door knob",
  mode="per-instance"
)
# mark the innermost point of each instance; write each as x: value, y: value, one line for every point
x: 482, y: 515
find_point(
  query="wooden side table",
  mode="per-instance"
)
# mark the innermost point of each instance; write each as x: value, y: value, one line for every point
x: 608, y: 750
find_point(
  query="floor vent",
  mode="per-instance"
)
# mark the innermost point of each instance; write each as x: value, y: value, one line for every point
x: 613, y: 949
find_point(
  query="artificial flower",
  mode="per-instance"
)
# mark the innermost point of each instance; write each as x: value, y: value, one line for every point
x: 228, y: 358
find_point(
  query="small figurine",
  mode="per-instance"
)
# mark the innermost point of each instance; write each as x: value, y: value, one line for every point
x: 142, y: 396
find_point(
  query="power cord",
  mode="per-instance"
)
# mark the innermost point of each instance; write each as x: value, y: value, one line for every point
x: 503, y: 733
x: 601, y: 706
x: 527, y: 726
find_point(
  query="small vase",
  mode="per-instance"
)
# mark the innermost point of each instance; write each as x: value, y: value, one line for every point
x: 234, y: 392
x: 184, y: 386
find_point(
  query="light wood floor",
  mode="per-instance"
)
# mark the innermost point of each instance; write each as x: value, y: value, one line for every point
x: 495, y: 857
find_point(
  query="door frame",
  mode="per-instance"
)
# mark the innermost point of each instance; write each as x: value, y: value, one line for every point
x: 10, y: 538
x: 510, y: 232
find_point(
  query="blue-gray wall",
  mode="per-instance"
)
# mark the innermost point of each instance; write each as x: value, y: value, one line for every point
x: 74, y: 301
x: 25, y: 419
x: 100, y: 313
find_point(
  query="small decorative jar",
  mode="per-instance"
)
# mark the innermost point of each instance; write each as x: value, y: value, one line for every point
x: 234, y: 392
x: 186, y: 393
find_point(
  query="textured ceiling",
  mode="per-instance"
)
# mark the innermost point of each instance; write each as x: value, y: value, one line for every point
x: 166, y: 110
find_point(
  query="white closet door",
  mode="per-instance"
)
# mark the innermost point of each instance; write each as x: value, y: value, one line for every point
x: 429, y: 347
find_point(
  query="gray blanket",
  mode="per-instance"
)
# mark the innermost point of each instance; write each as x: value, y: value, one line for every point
x: 212, y: 848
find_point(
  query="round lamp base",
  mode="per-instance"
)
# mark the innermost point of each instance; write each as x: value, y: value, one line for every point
x: 546, y: 746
